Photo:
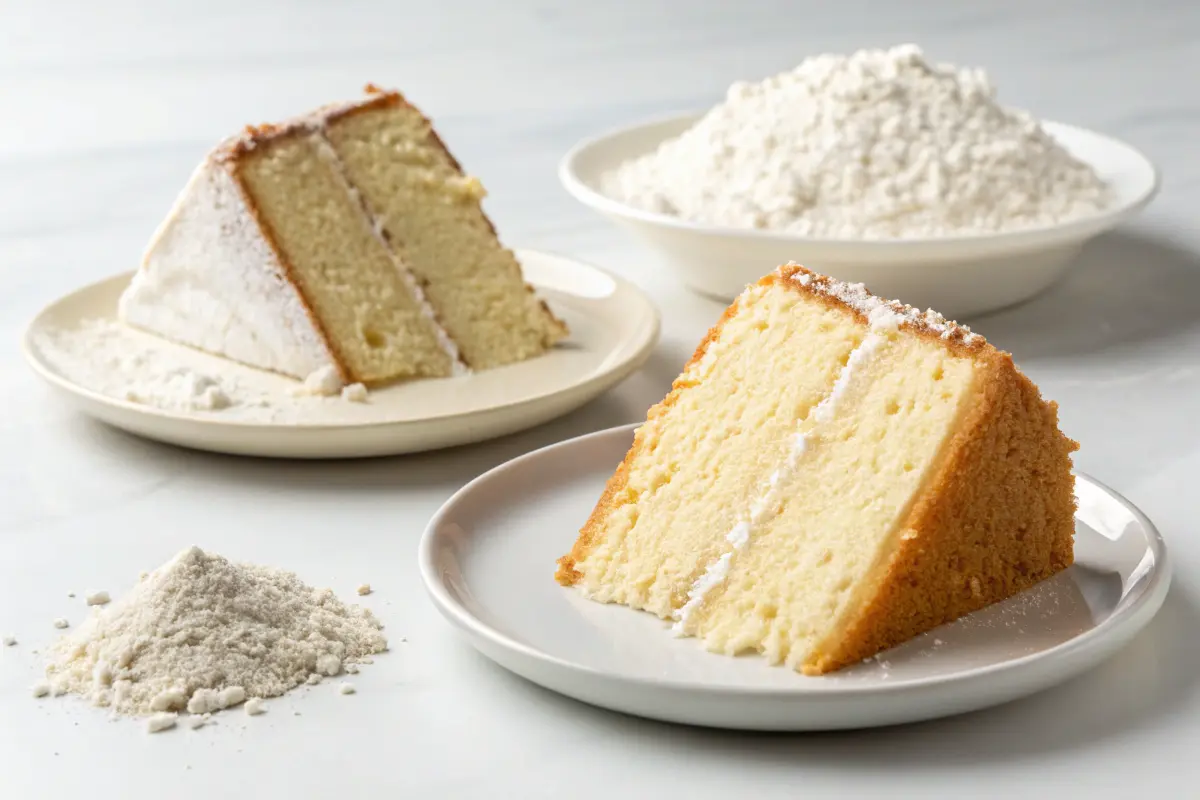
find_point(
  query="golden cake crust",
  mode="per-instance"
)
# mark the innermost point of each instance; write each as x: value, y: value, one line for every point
x: 996, y: 518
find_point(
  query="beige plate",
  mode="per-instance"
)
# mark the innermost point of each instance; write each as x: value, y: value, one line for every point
x: 613, y: 325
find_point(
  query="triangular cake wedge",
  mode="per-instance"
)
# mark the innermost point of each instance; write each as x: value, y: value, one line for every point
x: 348, y: 239
x: 831, y: 475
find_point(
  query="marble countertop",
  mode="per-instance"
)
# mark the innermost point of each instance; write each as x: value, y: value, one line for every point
x: 107, y: 109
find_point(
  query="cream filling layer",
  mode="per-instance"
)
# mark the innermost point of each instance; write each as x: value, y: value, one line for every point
x: 375, y: 223
x: 768, y: 500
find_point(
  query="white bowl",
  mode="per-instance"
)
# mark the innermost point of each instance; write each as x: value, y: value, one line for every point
x: 959, y: 276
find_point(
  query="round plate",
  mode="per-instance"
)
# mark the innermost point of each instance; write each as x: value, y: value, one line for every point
x: 957, y: 275
x: 614, y: 326
x: 488, y: 556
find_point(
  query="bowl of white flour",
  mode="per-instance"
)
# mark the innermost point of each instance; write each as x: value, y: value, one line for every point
x: 878, y: 167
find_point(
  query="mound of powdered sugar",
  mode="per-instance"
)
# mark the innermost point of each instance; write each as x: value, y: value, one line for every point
x: 879, y: 144
x: 202, y: 633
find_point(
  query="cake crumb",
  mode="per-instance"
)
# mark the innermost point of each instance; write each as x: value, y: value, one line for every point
x: 255, y: 706
x: 323, y: 382
x: 162, y: 721
x: 9, y: 641
x: 61, y: 623
x: 98, y: 598
x: 346, y: 688
x: 363, y: 589
x: 355, y: 393
x: 41, y: 689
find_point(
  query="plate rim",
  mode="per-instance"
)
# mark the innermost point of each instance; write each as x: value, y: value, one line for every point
x: 1035, y: 237
x: 1138, y: 612
x: 620, y: 370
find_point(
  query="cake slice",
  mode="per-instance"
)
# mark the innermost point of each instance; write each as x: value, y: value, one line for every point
x: 831, y: 475
x: 349, y: 239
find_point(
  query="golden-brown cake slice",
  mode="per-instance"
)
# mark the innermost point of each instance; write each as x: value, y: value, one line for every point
x: 347, y: 239
x: 831, y: 475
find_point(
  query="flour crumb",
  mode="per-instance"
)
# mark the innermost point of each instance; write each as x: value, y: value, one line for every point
x: 61, y: 623
x: 169, y: 700
x: 198, y: 721
x: 10, y: 641
x: 329, y: 664
x: 313, y: 679
x: 323, y: 382
x: 162, y: 721
x: 98, y: 598
x: 355, y: 393
x: 878, y: 144
x: 255, y: 706
x: 351, y: 669
x: 41, y: 689
x: 938, y: 642
x: 346, y: 688
x: 203, y: 633
x: 363, y: 589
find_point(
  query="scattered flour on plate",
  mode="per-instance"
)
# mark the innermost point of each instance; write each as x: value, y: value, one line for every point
x: 201, y: 634
x: 880, y: 144
x: 112, y: 359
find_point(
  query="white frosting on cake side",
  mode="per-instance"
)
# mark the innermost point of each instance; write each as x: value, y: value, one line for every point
x: 209, y: 279
x: 882, y: 322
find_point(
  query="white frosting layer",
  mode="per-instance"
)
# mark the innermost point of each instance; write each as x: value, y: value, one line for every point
x: 210, y: 280
x: 768, y: 501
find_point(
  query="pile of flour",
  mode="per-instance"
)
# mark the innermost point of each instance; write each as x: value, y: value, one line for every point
x: 879, y: 144
x: 118, y: 361
x: 202, y: 633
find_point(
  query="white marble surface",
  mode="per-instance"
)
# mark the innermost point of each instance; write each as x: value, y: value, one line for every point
x: 107, y: 107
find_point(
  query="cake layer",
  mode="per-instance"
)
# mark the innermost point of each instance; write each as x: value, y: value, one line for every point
x: 432, y: 216
x: 348, y: 275
x: 839, y: 509
x: 702, y: 456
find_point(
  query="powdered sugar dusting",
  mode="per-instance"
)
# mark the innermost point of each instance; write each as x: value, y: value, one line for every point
x: 880, y: 313
x: 114, y: 360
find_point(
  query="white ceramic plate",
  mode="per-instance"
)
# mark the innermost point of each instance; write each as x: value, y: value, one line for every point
x: 488, y: 557
x: 958, y: 276
x: 614, y: 326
